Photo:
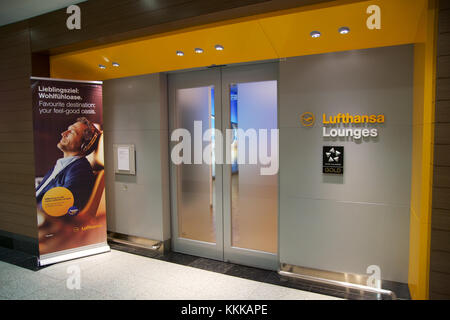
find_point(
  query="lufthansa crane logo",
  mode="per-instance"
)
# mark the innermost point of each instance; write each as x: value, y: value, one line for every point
x: 307, y: 119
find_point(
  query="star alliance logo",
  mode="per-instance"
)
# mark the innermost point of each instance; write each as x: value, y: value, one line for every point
x: 333, y: 160
x: 333, y: 155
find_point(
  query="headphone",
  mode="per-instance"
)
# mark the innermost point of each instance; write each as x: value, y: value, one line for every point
x: 87, y: 146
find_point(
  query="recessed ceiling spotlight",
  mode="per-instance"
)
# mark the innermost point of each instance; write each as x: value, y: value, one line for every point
x: 180, y: 53
x: 115, y: 64
x: 218, y: 47
x: 344, y: 30
x: 198, y: 50
x: 315, y: 34
x: 101, y: 66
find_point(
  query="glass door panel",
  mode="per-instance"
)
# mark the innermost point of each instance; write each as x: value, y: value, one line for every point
x: 195, y: 197
x: 254, y: 196
x: 250, y: 198
x: 196, y: 185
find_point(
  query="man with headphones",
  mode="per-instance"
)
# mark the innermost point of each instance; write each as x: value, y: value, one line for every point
x: 73, y: 171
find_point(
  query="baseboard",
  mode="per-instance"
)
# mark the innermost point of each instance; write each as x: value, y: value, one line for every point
x: 145, y: 243
x: 75, y: 253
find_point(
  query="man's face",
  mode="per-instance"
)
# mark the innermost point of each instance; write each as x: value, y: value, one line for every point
x: 71, y: 138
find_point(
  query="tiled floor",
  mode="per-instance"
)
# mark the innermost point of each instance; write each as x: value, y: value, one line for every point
x: 121, y: 275
x: 132, y: 273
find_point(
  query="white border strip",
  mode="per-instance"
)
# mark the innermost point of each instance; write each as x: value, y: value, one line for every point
x: 68, y: 80
x: 74, y: 255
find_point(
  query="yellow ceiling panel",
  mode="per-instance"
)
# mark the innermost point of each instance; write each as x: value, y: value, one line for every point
x: 290, y: 34
x: 257, y: 38
x: 242, y: 42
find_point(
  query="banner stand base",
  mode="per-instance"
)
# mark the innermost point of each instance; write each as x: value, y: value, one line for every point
x: 71, y: 254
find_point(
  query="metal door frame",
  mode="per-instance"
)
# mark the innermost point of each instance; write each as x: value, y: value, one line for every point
x: 234, y: 75
x: 184, y: 80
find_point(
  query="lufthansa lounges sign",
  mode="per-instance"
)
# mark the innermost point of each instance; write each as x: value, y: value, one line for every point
x: 345, y: 125
x: 332, y: 125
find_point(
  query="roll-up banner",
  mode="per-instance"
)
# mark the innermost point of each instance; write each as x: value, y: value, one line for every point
x: 69, y: 166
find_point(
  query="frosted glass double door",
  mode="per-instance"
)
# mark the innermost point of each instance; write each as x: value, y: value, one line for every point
x: 222, y: 206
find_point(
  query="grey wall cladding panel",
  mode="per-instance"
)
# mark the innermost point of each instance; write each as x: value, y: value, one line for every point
x: 353, y: 81
x: 135, y: 112
x: 345, y: 236
x: 136, y: 100
x: 373, y: 172
x: 346, y: 223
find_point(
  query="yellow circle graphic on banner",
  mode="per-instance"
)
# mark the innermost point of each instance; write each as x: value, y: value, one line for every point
x: 57, y: 201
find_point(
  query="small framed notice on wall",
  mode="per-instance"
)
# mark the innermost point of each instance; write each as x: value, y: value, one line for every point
x: 124, y: 159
